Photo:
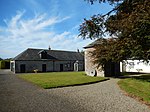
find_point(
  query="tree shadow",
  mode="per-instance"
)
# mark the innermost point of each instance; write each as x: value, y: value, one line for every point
x: 143, y: 77
x: 137, y: 76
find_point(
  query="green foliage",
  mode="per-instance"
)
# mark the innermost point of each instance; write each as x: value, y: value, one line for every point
x: 92, y: 28
x: 60, y: 79
x: 137, y: 87
x: 4, y: 64
x: 128, y: 23
x: 0, y: 65
x: 103, y: 1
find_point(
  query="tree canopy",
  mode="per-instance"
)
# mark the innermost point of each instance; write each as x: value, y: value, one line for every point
x: 128, y: 25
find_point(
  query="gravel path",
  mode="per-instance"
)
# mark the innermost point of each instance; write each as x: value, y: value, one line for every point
x: 17, y: 95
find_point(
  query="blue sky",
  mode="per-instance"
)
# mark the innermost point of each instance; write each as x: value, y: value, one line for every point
x: 40, y: 23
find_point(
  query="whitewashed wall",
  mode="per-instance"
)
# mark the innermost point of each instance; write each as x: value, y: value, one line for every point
x: 135, y: 66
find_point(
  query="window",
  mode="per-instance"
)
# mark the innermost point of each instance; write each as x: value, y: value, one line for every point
x: 43, y: 54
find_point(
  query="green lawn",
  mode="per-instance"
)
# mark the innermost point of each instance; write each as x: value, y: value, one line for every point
x: 60, y: 79
x: 138, y: 86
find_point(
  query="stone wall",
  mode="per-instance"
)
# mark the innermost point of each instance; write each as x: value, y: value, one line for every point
x: 110, y: 69
x: 90, y: 68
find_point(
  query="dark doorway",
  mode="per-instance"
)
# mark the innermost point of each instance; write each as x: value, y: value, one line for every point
x: 12, y: 67
x: 7, y: 65
x: 43, y: 67
x: 61, y: 67
x: 112, y: 69
x: 22, y: 68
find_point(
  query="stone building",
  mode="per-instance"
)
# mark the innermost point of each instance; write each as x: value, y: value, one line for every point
x: 110, y: 69
x: 43, y: 60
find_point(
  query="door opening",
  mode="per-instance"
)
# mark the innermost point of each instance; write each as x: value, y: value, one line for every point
x: 61, y: 67
x: 43, y: 67
x: 22, y: 68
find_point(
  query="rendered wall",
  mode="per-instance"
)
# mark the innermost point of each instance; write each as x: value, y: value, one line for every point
x: 135, y: 66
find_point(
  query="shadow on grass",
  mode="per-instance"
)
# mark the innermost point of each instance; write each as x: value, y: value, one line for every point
x: 88, y: 83
x: 138, y: 76
x: 143, y: 78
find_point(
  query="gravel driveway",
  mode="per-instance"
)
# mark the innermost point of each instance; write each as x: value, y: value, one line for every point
x: 17, y: 95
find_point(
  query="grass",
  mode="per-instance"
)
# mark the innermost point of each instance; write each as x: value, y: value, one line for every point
x: 137, y: 86
x: 60, y: 79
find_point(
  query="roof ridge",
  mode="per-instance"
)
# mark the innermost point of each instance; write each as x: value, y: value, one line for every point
x: 50, y: 50
x: 95, y: 42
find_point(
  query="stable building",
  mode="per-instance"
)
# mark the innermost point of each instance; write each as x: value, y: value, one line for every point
x: 42, y: 60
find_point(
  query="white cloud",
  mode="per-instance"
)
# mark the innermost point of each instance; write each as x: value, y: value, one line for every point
x: 20, y: 28
x: 36, y: 32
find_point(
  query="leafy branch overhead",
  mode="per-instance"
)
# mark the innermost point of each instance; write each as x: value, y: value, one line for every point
x: 128, y: 22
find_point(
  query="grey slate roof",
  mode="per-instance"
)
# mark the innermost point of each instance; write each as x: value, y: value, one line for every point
x: 96, y: 42
x: 33, y: 54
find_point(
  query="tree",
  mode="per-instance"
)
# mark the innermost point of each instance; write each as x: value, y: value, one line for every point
x: 128, y: 23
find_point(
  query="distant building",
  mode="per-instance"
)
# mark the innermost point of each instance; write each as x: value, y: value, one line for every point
x: 49, y: 60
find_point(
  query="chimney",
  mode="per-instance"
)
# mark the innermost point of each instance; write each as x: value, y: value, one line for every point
x: 49, y: 48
